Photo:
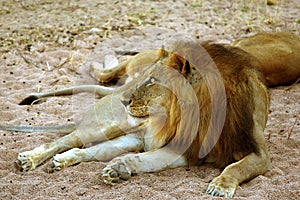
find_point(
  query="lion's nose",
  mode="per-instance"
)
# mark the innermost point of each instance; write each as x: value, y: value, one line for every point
x: 125, y: 102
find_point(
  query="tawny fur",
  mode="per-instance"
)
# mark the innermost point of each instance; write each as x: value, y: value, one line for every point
x: 279, y: 54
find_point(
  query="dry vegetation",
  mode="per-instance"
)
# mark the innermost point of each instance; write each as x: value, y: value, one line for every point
x: 64, y: 23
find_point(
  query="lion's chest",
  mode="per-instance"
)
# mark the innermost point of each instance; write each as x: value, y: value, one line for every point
x: 150, y: 141
x: 153, y: 137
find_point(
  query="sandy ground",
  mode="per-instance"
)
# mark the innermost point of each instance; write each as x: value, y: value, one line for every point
x: 47, y: 45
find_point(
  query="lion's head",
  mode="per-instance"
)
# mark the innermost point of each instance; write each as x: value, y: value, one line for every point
x: 164, y: 81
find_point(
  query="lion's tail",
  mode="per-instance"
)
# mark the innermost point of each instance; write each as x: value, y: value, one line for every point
x: 60, y: 129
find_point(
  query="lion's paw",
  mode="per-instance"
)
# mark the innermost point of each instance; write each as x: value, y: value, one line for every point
x: 222, y: 186
x: 100, y: 73
x: 56, y: 164
x: 26, y: 161
x: 114, y: 171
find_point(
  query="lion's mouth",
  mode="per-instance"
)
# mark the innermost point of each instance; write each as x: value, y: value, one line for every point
x: 139, y: 112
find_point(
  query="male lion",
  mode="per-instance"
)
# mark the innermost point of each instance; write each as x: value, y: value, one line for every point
x: 240, y: 148
x: 173, y: 110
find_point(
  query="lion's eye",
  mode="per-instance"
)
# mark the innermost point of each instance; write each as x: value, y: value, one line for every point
x: 151, y: 81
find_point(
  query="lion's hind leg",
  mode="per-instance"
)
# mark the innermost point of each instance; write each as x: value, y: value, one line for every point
x: 156, y: 160
x: 130, y: 67
x: 100, y: 152
x: 103, y: 75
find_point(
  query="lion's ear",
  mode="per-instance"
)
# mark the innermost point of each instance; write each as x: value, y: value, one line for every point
x: 179, y: 63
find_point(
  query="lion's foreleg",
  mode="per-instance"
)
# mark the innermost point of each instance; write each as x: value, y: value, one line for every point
x: 101, y: 152
x: 29, y: 160
x: 151, y: 161
x: 245, y: 169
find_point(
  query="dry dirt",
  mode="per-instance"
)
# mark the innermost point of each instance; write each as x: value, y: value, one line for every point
x: 46, y: 45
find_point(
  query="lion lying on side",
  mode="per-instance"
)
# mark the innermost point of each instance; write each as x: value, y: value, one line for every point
x: 175, y: 112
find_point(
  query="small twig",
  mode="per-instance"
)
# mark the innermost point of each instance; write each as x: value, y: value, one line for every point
x: 291, y: 129
x: 293, y: 85
x: 67, y: 60
x: 48, y: 66
x: 269, y: 136
x: 25, y: 59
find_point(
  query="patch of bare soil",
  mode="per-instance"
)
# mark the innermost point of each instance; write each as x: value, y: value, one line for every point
x: 46, y: 45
